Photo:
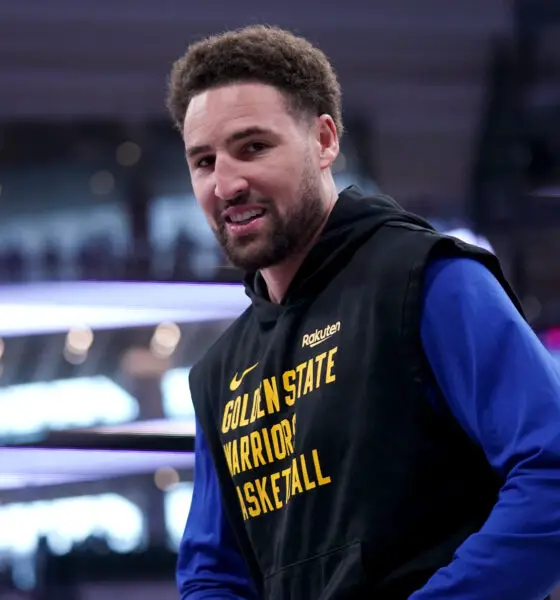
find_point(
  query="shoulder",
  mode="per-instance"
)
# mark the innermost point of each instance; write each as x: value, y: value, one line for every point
x: 458, y: 275
x: 462, y: 297
x: 465, y: 281
x: 413, y: 245
x: 211, y: 365
x: 417, y: 257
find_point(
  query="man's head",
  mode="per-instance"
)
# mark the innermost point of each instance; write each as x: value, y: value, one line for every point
x: 260, y: 114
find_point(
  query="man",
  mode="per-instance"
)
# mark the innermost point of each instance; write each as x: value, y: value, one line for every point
x: 381, y: 422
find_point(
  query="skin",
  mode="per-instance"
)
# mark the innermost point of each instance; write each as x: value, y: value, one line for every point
x: 245, y: 150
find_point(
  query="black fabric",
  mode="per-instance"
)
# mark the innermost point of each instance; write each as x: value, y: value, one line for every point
x: 338, y: 476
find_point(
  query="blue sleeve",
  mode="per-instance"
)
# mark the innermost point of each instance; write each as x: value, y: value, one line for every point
x: 504, y: 389
x: 210, y: 566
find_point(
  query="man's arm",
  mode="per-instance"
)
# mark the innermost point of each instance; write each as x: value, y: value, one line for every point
x: 504, y: 389
x: 210, y: 566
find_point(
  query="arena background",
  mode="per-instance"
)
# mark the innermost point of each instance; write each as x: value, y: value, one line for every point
x: 112, y: 284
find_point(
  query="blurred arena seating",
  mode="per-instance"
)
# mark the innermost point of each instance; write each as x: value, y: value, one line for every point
x: 114, y: 224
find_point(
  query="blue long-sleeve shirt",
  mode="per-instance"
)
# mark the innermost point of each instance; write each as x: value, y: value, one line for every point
x: 503, y: 387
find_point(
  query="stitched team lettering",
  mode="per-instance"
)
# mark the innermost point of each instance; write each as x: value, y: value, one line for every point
x: 296, y: 383
x: 274, y: 442
x: 273, y: 492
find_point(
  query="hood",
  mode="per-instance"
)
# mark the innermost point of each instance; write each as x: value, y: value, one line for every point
x: 353, y: 220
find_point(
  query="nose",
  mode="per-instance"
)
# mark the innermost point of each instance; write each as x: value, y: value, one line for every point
x: 229, y: 180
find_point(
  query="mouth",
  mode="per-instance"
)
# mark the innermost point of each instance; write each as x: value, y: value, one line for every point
x: 244, y: 221
x: 244, y: 217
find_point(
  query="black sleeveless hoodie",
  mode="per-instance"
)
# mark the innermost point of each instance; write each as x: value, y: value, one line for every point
x: 338, y: 476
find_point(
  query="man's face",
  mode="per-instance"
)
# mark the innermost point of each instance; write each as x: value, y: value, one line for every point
x: 255, y: 172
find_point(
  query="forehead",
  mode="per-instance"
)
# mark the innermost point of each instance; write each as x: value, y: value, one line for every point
x: 225, y: 109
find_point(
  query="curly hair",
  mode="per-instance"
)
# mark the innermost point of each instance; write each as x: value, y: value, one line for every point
x: 258, y: 54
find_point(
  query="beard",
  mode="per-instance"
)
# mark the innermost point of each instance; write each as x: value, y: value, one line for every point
x: 282, y: 236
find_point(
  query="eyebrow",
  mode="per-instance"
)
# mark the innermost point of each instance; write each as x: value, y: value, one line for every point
x: 193, y: 151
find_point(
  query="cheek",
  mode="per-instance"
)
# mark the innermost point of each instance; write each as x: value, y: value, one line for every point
x: 205, y: 199
x: 286, y: 179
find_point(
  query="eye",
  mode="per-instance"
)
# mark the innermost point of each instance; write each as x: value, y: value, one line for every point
x: 255, y: 147
x: 205, y: 162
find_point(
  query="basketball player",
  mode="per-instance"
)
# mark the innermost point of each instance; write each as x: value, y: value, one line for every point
x: 381, y: 422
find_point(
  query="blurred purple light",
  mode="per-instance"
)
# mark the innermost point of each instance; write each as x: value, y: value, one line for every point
x: 21, y: 467
x: 51, y: 308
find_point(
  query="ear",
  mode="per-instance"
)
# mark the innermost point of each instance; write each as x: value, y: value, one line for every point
x: 327, y: 138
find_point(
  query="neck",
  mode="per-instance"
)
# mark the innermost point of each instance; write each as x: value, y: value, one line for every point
x: 279, y: 277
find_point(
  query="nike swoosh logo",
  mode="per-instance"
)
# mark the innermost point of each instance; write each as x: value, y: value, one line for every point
x: 236, y: 381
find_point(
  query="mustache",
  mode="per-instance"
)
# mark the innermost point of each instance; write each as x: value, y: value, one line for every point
x: 244, y: 200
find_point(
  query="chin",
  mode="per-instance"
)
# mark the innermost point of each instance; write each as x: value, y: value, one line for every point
x: 252, y: 259
x: 248, y: 262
